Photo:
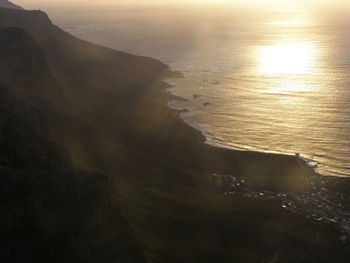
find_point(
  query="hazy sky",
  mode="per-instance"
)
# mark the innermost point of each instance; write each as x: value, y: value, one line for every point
x: 39, y: 3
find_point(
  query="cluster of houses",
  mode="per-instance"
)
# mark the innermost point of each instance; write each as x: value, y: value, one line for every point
x: 318, y: 204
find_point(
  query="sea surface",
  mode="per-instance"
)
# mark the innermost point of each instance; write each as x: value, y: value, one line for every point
x: 272, y: 79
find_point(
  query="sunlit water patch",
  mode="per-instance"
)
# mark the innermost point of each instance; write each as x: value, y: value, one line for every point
x: 287, y: 93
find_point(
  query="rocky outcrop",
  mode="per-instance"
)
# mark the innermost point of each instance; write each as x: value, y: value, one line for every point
x: 49, y: 211
x: 23, y: 66
x: 8, y: 4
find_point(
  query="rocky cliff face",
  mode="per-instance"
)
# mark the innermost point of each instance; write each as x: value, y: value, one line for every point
x: 49, y: 211
x: 24, y: 68
x: 8, y: 4
x: 27, y: 92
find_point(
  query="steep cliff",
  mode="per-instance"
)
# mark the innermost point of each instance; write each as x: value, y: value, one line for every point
x: 70, y: 56
x: 49, y: 211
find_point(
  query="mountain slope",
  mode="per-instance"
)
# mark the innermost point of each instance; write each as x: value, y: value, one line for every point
x: 8, y: 4
x: 20, y: 56
x: 67, y: 54
x: 49, y: 211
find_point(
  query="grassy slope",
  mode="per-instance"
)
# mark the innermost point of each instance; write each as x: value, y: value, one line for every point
x: 160, y: 167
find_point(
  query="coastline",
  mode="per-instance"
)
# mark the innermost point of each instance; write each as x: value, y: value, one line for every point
x: 163, y: 170
x: 119, y: 124
x: 209, y: 139
x: 183, y: 180
x: 322, y: 191
x: 230, y: 116
x: 281, y: 160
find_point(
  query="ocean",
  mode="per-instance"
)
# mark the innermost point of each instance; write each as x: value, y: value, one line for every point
x: 261, y: 79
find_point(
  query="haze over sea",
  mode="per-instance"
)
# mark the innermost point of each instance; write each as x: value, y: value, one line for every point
x: 257, y: 79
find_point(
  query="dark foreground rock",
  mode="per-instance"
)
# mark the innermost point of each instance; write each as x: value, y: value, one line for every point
x: 62, y: 216
x: 49, y: 211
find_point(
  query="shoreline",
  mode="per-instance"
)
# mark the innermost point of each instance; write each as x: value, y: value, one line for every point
x: 209, y: 139
x: 205, y: 138
x: 313, y: 203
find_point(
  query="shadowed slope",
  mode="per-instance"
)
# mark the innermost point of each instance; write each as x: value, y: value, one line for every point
x: 49, y: 211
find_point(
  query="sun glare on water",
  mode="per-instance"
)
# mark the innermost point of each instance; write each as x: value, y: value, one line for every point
x: 286, y: 58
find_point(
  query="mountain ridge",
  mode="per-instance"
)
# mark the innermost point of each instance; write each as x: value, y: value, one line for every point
x: 8, y: 4
x: 39, y: 25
